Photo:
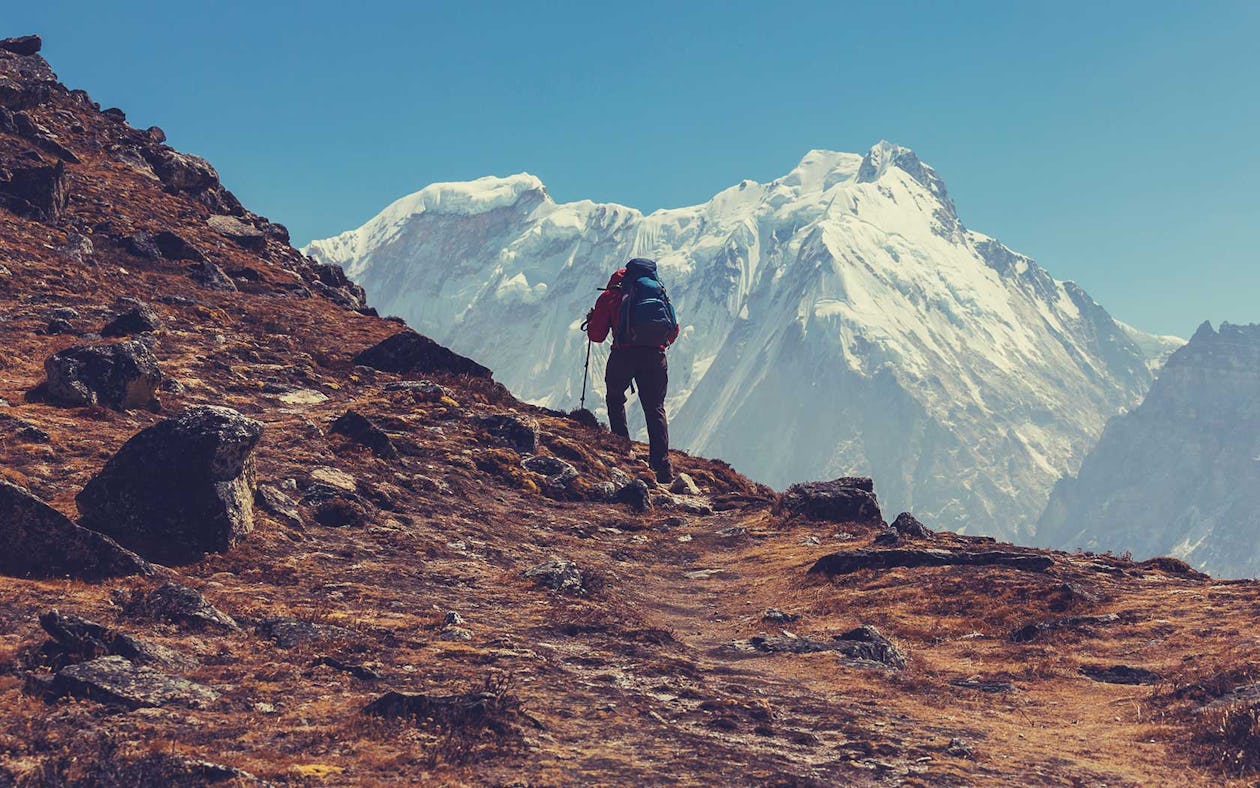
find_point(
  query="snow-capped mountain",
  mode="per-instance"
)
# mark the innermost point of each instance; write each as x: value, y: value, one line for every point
x: 1180, y: 474
x: 839, y: 319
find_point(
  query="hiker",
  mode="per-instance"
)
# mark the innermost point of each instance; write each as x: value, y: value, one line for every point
x: 635, y: 308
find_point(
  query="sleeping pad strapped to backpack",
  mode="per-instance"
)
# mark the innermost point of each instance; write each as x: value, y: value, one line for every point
x: 647, y: 317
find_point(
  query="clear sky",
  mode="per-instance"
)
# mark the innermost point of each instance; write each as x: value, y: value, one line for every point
x: 1115, y: 142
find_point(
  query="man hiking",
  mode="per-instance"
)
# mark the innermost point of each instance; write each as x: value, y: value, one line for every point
x: 635, y: 308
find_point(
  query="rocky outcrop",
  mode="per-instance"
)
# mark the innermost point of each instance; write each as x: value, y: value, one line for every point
x: 37, y: 541
x: 246, y: 235
x: 844, y: 500
x: 179, y: 489
x: 558, y: 574
x: 36, y: 190
x: 1180, y: 474
x: 850, y: 561
x: 137, y: 319
x: 116, y: 681
x: 362, y: 430
x: 519, y: 433
x: 864, y: 643
x: 76, y: 639
x: 408, y: 351
x: 22, y: 45
x: 122, y: 376
x: 177, y: 604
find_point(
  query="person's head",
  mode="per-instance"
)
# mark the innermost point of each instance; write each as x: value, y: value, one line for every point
x: 614, y: 281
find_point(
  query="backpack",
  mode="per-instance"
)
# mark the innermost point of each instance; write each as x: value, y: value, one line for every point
x: 647, y: 317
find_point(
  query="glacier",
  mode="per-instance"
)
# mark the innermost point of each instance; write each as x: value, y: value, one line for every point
x: 837, y: 320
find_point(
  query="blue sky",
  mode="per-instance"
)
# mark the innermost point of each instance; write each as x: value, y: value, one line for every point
x: 1116, y: 142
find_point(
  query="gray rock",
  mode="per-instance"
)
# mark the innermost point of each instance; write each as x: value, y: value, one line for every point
x: 211, y: 277
x: 116, y: 681
x: 559, y: 473
x: 22, y: 45
x: 122, y: 376
x: 420, y: 390
x: 519, y: 433
x: 684, y: 485
x: 636, y: 495
x: 273, y: 501
x: 864, y: 644
x: 777, y: 616
x: 136, y: 320
x: 848, y: 499
x: 178, y: 489
x: 181, y: 172
x: 243, y: 234
x: 36, y: 191
x: 38, y: 542
x: 408, y: 351
x: 843, y: 563
x: 180, y: 605
x: 173, y: 246
x: 1119, y: 674
x: 76, y: 639
x: 558, y: 575
x: 288, y: 632
x: 908, y: 526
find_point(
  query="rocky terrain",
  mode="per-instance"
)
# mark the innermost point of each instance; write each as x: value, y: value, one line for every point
x: 252, y: 534
x: 1180, y: 474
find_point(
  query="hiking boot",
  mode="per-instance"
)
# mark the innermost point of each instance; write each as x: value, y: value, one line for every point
x: 664, y: 473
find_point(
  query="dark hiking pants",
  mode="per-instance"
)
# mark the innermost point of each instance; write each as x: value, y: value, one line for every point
x: 647, y: 367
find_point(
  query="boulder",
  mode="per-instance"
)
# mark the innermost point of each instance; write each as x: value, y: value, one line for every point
x: 683, y: 484
x: 115, y: 681
x: 908, y: 526
x: 211, y: 277
x: 180, y: 488
x: 557, y: 574
x: 288, y: 632
x: 175, y: 247
x: 418, y: 390
x: 408, y: 351
x: 180, y: 172
x: 180, y: 605
x: 25, y: 81
x: 22, y: 45
x: 245, y: 235
x: 635, y: 494
x: 142, y: 245
x: 122, y: 376
x: 519, y: 433
x: 38, y: 542
x: 136, y: 320
x: 76, y: 639
x: 279, y: 505
x: 863, y: 644
x: 1119, y: 674
x: 37, y: 191
x: 362, y: 430
x: 559, y: 473
x: 844, y: 500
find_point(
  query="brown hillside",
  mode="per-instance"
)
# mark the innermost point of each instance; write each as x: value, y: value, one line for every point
x: 648, y: 667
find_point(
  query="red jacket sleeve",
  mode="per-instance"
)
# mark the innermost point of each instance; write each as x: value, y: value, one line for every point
x: 604, y: 315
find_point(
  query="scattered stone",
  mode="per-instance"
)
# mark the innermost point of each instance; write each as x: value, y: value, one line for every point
x: 775, y: 615
x: 361, y: 672
x: 38, y: 542
x: 343, y: 510
x: 958, y: 748
x: 559, y: 473
x: 362, y: 430
x: 1119, y: 674
x: 455, y: 633
x: 490, y: 708
x: 180, y: 488
x: 76, y: 640
x: 683, y: 484
x: 635, y: 494
x: 116, y: 681
x: 115, y: 114
x: 274, y: 502
x: 23, y: 430
x: 908, y: 526
x: 36, y: 191
x: 453, y: 619
x: 520, y: 433
x: 211, y: 277
x: 142, y: 245
x: 844, y: 563
x: 863, y: 644
x: 408, y: 351
x: 333, y: 477
x: 243, y: 234
x: 181, y: 172
x: 303, y: 397
x: 63, y: 313
x: 180, y: 605
x: 58, y: 326
x: 122, y: 376
x: 136, y: 320
x: 22, y: 45
x: 843, y: 500
x: 887, y: 538
x: 558, y: 575
x: 1030, y: 632
x: 288, y: 632
x: 733, y: 532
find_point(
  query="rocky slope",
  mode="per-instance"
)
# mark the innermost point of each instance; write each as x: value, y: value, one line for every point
x: 1180, y: 474
x: 435, y: 582
x: 839, y: 319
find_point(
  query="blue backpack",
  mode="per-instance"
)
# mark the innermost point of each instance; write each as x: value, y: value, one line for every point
x: 647, y: 317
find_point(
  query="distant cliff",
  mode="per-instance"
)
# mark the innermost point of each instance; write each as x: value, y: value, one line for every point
x: 1180, y: 474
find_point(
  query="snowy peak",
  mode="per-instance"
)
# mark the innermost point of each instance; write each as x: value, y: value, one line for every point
x: 884, y: 155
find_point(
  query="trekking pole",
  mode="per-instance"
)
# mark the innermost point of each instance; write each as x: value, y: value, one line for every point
x: 586, y: 370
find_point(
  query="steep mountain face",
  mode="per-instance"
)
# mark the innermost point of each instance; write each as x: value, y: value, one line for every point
x: 1180, y: 474
x: 837, y: 320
